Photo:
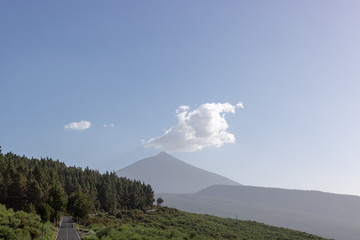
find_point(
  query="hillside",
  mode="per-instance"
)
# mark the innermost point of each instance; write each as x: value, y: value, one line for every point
x: 168, y: 223
x: 167, y: 174
x: 325, y: 214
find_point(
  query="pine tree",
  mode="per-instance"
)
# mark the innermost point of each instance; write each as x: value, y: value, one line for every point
x: 80, y: 205
x: 57, y: 200
x: 25, y: 183
x: 44, y: 211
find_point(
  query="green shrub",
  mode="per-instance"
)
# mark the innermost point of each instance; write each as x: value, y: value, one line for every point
x: 89, y: 237
x: 22, y: 225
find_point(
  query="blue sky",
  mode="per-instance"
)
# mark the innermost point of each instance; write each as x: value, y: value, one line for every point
x: 294, y: 65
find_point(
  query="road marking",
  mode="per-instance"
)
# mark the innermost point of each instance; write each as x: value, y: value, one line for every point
x: 65, y: 228
x: 76, y: 231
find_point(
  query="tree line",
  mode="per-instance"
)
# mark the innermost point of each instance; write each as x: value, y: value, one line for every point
x: 49, y: 187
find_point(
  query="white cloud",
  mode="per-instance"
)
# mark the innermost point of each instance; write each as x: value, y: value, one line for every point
x: 240, y: 105
x: 205, y: 126
x: 82, y: 125
x: 182, y: 108
x: 109, y: 125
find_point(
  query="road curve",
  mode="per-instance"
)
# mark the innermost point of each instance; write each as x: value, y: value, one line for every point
x: 67, y: 231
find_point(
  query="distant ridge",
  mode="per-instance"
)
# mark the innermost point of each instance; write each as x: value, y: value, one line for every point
x: 326, y: 214
x: 167, y: 174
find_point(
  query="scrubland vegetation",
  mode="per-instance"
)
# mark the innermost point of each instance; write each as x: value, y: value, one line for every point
x: 168, y: 223
x: 24, y: 226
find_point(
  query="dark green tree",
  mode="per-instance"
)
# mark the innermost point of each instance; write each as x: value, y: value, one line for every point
x: 80, y: 205
x: 34, y: 192
x: 17, y: 190
x: 57, y: 200
x: 45, y: 212
x: 27, y: 183
x: 159, y: 201
x: 149, y: 194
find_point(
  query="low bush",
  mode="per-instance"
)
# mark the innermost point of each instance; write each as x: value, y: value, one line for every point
x: 22, y: 225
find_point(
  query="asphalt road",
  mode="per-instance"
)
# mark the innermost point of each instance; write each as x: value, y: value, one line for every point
x: 67, y: 231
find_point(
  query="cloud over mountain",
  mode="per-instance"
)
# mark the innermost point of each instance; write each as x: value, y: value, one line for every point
x: 203, y: 127
x: 82, y: 125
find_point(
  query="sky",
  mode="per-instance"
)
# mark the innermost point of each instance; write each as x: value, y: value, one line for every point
x: 263, y: 92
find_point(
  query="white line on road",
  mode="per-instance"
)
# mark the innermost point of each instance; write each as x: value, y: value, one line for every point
x: 76, y: 231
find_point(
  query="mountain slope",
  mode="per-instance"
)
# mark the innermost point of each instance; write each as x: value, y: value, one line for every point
x: 325, y: 214
x: 167, y: 174
x: 167, y: 223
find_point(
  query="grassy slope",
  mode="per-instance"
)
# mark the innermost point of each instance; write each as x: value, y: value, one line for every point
x: 169, y: 223
x: 22, y: 225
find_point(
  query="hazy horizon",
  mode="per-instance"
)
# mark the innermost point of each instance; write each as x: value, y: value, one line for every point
x: 263, y: 93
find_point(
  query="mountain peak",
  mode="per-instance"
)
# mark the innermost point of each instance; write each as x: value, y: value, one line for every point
x: 167, y: 174
x: 163, y: 153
